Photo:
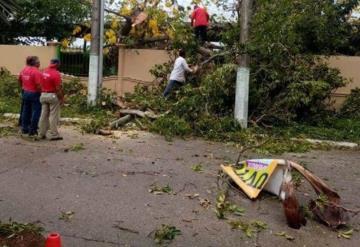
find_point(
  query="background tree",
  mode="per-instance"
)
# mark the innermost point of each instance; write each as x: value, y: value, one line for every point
x: 7, y: 7
x: 51, y: 19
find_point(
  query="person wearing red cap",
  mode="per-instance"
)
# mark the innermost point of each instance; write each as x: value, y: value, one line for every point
x: 30, y: 79
x: 52, y: 97
x: 200, y: 21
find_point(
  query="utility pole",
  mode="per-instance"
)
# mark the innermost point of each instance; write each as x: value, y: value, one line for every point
x: 243, y: 72
x: 95, y: 65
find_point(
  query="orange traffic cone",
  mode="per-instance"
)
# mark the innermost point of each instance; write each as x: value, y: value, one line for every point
x: 53, y: 240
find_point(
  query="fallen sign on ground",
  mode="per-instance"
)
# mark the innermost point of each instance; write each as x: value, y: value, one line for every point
x: 274, y: 176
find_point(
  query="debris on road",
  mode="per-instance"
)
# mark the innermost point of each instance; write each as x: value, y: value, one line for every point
x: 21, y: 234
x: 66, y: 216
x: 250, y: 229
x: 166, y: 233
x: 75, y: 148
x: 197, y: 168
x: 274, y: 176
x: 159, y: 190
x: 347, y: 234
x: 285, y: 235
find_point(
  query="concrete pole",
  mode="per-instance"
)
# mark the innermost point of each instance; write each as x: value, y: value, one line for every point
x: 101, y: 45
x: 243, y: 72
x: 94, y: 53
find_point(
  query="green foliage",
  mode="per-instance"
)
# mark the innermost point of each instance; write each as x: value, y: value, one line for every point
x: 76, y: 99
x: 250, y: 229
x: 8, y: 131
x: 170, y: 126
x: 9, y: 87
x: 223, y: 206
x: 303, y: 26
x: 166, y: 233
x: 77, y: 147
x: 351, y: 107
x: 44, y: 18
x: 147, y: 98
x: 9, y: 93
x: 332, y: 128
x: 197, y: 168
x: 7, y: 7
x: 159, y: 190
x: 13, y: 229
x: 95, y: 124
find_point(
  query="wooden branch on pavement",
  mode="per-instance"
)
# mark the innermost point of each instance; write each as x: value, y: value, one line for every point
x: 120, y: 122
x: 138, y: 113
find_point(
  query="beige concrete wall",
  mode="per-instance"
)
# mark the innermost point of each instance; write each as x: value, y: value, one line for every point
x: 135, y: 66
x: 12, y: 57
x: 350, y: 69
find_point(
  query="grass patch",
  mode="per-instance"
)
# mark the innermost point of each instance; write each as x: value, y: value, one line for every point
x: 333, y: 129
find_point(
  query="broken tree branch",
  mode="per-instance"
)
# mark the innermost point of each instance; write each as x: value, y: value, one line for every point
x: 213, y: 57
x: 142, y: 114
x: 120, y: 122
x: 204, y: 51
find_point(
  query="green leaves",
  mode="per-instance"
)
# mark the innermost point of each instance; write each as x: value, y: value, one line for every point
x: 76, y: 147
x: 159, y: 190
x: 13, y: 229
x: 223, y: 206
x: 285, y: 235
x: 351, y: 107
x: 249, y: 229
x: 66, y: 216
x: 166, y: 233
x: 347, y: 234
x: 197, y: 168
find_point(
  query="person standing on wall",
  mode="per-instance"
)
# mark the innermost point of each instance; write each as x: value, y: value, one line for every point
x: 52, y: 97
x: 30, y: 80
x: 177, y: 77
x: 200, y: 21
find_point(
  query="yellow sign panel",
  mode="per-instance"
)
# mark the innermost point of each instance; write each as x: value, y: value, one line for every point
x: 251, y: 175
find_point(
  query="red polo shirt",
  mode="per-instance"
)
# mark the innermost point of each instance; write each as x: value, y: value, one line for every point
x: 200, y: 17
x: 30, y: 77
x: 51, y: 79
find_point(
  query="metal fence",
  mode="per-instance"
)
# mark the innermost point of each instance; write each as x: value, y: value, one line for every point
x: 75, y: 62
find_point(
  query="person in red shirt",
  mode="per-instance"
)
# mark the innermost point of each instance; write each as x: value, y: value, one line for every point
x: 200, y: 21
x: 29, y: 79
x: 52, y: 97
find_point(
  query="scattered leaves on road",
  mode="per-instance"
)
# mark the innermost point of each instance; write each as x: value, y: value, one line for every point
x: 13, y: 229
x: 205, y: 203
x: 192, y: 196
x: 197, y: 168
x: 166, y: 233
x: 250, y: 229
x: 76, y: 148
x: 285, y: 235
x: 347, y: 234
x: 159, y: 190
x: 66, y: 216
x: 223, y: 206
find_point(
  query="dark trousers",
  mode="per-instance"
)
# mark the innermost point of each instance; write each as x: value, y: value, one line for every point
x: 21, y: 109
x: 30, y: 113
x: 172, y: 84
x: 201, y: 33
